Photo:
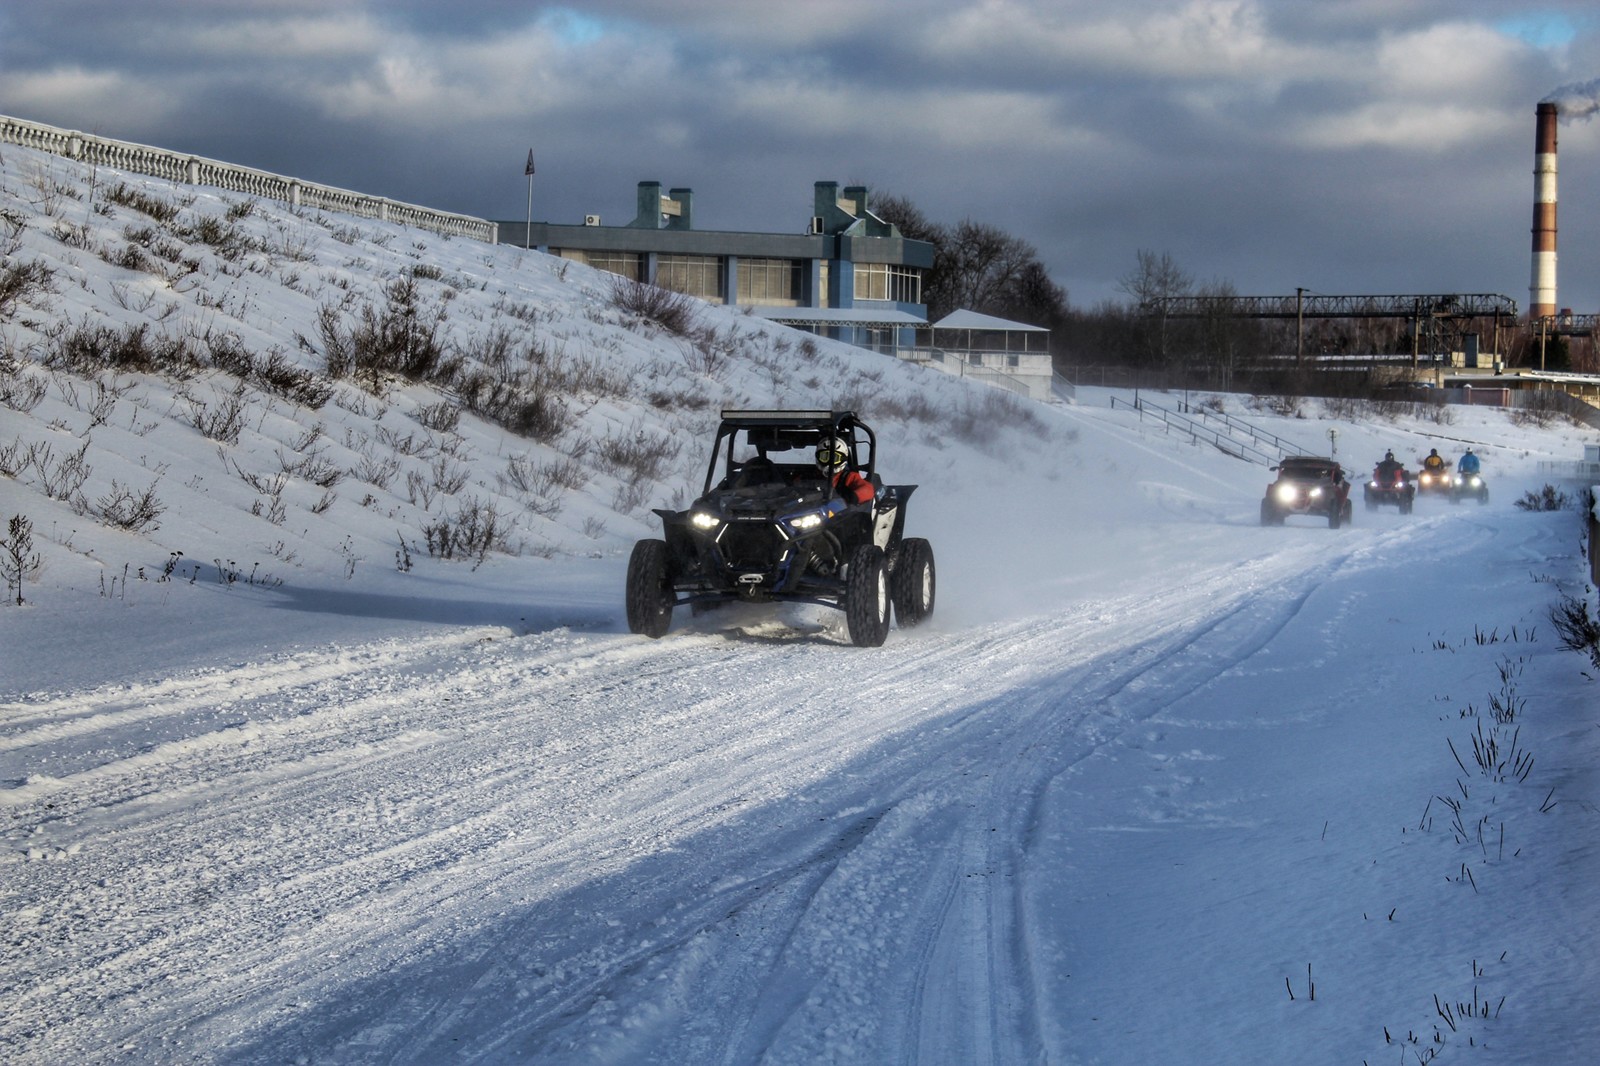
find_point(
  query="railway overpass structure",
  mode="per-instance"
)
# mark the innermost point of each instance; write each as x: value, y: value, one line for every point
x: 1437, y: 318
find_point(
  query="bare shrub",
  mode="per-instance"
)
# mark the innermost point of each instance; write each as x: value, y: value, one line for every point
x: 402, y: 338
x: 312, y: 466
x: 638, y: 455
x: 419, y: 490
x: 1548, y: 498
x: 23, y: 283
x: 541, y: 485
x: 85, y: 349
x: 226, y: 239
x: 222, y: 421
x: 374, y: 471
x: 448, y: 477
x: 124, y: 508
x: 441, y: 417
x: 20, y: 390
x: 709, y: 351
x: 276, y: 374
x: 520, y: 405
x: 1286, y: 406
x: 1541, y: 408
x: 673, y: 312
x: 1577, y: 628
x: 60, y: 478
x: 18, y: 560
x: 141, y: 201
x: 475, y: 530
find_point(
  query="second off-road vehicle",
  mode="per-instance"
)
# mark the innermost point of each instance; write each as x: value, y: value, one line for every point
x: 1308, y: 485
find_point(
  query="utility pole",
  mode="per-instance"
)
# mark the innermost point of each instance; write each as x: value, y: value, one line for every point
x: 1299, y: 327
x: 527, y: 234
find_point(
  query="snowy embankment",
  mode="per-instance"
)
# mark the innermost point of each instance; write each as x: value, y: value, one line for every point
x: 1151, y: 773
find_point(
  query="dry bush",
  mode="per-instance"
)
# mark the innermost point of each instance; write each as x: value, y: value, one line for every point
x: 673, y: 312
x: 23, y: 283
x: 85, y: 350
x: 402, y: 338
x: 638, y: 455
x: 127, y: 509
x: 143, y: 202
x: 475, y: 530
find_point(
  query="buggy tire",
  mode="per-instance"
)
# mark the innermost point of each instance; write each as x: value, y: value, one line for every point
x: 866, y: 597
x: 1335, y: 513
x: 912, y: 585
x: 649, y: 594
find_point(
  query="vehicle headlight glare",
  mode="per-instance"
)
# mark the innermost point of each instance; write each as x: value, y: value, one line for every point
x: 703, y: 520
x: 806, y: 522
x: 1286, y: 493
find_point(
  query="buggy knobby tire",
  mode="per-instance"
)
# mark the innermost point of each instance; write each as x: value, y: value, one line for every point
x: 911, y: 586
x: 866, y: 597
x: 649, y: 593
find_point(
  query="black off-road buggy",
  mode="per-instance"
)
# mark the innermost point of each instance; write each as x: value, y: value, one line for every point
x: 768, y: 527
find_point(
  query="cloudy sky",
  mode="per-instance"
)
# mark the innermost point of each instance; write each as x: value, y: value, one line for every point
x: 1343, y: 146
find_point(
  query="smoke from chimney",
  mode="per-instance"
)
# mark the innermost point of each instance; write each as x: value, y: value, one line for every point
x: 1542, y: 288
x: 1576, y: 101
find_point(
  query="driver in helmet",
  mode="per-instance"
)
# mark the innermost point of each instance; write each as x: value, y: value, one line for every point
x: 1388, y: 467
x: 833, y: 459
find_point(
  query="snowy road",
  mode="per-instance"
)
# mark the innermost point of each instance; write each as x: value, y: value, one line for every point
x: 588, y: 847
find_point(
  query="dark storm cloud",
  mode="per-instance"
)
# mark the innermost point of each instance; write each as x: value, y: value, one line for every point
x: 1355, y: 146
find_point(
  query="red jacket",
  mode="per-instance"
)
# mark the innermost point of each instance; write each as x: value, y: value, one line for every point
x: 852, y: 486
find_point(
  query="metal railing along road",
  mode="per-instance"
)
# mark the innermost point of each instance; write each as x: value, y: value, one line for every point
x: 1198, y: 433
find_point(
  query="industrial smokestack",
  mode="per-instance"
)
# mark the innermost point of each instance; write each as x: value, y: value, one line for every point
x: 1542, y: 289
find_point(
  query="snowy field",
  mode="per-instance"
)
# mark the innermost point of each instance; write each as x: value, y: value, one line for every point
x: 1154, y: 785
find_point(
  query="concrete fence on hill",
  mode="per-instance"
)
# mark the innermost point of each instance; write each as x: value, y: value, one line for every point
x: 193, y: 170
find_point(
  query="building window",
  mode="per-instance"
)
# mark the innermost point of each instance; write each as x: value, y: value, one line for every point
x: 880, y: 281
x: 692, y: 275
x: 769, y: 281
x: 626, y: 264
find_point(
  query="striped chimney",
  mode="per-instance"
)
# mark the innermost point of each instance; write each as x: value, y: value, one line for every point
x: 1542, y: 289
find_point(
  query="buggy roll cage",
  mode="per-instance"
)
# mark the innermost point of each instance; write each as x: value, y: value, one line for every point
x: 781, y: 431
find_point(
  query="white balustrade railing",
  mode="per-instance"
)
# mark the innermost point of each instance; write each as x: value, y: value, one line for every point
x: 193, y: 170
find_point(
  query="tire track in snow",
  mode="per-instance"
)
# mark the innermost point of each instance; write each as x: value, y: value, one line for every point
x: 389, y: 830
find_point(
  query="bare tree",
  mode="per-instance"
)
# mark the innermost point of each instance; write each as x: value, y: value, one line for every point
x: 1153, y: 279
x: 977, y: 266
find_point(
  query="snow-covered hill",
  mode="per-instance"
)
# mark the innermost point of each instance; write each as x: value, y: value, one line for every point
x: 281, y: 784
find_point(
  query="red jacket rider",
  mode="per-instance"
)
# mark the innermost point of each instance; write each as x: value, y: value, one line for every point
x: 833, y: 454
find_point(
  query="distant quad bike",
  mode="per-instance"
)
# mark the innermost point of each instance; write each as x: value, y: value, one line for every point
x: 1396, y: 488
x: 1435, y: 482
x: 1469, y: 486
x: 769, y: 528
x: 1307, y: 485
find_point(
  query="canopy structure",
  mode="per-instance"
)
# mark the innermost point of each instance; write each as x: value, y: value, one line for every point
x: 970, y: 331
x: 839, y: 316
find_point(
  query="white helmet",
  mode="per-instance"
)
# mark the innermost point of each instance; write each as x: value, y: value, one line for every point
x: 832, y: 454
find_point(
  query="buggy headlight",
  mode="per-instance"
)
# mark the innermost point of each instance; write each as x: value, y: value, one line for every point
x: 1316, y: 491
x: 1287, y: 493
x: 704, y: 520
x: 808, y: 521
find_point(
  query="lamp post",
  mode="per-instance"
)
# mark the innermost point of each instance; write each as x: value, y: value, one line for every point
x: 1333, y: 443
x: 527, y: 234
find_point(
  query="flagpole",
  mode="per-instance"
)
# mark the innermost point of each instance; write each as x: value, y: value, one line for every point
x: 527, y: 234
